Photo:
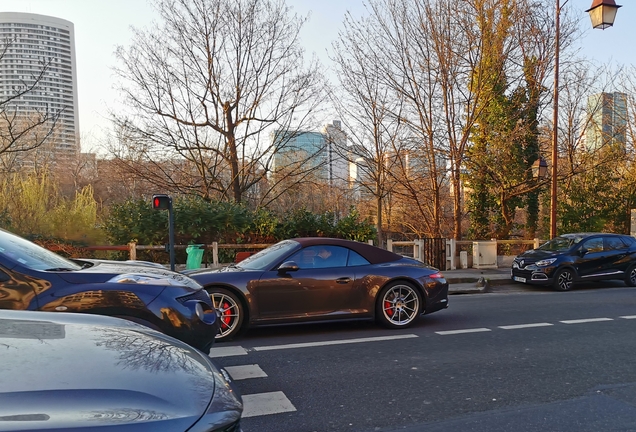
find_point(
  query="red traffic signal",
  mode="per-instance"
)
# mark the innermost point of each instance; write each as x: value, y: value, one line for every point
x: 161, y: 202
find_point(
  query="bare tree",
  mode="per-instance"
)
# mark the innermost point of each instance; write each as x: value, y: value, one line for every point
x: 208, y: 90
x: 23, y: 131
x: 372, y: 112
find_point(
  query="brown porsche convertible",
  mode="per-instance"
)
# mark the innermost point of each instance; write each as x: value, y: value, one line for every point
x: 314, y: 279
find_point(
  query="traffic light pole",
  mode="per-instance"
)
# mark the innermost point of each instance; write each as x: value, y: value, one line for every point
x: 164, y: 202
x: 171, y: 235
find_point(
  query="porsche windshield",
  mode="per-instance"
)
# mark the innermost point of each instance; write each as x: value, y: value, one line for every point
x: 558, y: 244
x: 268, y: 257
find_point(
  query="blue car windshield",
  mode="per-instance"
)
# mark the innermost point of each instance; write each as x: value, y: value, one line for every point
x: 559, y: 244
x: 31, y: 255
x: 268, y: 257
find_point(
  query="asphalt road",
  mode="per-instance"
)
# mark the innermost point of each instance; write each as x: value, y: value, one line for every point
x: 518, y: 358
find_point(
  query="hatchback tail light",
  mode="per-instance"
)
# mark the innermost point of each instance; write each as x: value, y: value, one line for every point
x: 437, y: 275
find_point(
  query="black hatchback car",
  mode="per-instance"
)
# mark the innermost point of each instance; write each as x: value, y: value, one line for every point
x: 34, y: 278
x: 571, y: 258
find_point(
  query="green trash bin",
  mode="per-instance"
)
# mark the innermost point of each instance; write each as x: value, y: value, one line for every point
x: 195, y: 256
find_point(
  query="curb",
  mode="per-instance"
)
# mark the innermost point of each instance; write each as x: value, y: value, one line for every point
x: 474, y: 285
x: 495, y: 281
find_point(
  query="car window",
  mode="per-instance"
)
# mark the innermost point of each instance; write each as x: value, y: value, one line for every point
x: 560, y: 244
x: 614, y: 243
x: 628, y: 240
x: 355, y: 259
x: 320, y: 256
x: 593, y: 245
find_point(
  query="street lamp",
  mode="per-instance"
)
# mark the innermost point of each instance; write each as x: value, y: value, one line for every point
x: 602, y: 14
x: 539, y: 169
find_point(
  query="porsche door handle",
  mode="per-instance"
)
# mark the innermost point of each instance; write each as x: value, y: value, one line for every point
x: 344, y: 280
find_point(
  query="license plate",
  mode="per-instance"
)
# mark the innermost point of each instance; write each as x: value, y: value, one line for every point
x: 519, y: 279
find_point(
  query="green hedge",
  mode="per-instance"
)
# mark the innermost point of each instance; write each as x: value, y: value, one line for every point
x: 200, y: 222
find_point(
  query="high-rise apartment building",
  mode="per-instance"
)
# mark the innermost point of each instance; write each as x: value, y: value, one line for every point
x: 34, y: 43
x: 608, y: 120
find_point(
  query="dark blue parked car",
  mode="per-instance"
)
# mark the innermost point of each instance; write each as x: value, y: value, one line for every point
x: 34, y: 278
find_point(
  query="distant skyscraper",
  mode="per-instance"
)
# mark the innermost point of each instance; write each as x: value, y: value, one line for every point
x: 34, y: 42
x: 608, y: 120
x: 321, y: 151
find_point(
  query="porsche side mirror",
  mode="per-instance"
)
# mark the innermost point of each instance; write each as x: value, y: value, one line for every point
x: 288, y: 266
x: 582, y: 251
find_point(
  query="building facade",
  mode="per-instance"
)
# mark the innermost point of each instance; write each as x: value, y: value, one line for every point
x: 608, y: 120
x: 323, y: 152
x: 39, y: 52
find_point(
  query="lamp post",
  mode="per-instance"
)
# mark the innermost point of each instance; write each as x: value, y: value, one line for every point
x: 602, y: 13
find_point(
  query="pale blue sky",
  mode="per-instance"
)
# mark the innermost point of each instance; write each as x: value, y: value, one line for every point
x: 100, y: 25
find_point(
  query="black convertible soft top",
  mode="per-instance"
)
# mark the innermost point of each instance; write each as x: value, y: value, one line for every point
x: 373, y: 254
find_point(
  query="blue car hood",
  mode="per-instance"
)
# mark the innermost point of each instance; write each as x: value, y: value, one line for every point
x: 65, y: 375
x: 102, y: 271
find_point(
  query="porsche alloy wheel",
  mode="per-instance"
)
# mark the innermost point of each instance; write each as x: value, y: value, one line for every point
x: 230, y: 311
x: 398, y: 305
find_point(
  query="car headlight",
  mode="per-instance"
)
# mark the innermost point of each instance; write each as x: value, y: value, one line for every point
x: 145, y: 279
x: 198, y: 309
x: 545, y: 262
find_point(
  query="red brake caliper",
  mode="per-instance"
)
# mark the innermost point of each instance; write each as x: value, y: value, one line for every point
x: 388, y: 308
x: 225, y: 315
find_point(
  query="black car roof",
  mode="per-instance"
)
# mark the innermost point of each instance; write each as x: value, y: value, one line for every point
x: 371, y: 253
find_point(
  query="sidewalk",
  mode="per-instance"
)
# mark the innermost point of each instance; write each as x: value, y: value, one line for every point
x: 470, y: 281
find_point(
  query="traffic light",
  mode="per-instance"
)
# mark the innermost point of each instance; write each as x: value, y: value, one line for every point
x: 161, y: 202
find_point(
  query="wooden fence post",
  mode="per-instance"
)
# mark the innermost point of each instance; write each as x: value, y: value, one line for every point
x: 132, y: 251
x: 215, y: 254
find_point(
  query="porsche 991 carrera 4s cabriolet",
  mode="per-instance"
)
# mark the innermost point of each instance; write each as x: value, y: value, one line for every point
x: 315, y: 279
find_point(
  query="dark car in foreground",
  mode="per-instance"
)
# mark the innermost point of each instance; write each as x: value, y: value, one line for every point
x: 571, y: 258
x: 314, y: 279
x: 68, y: 372
x: 34, y: 278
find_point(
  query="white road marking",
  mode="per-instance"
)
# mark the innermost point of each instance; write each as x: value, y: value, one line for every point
x: 245, y: 372
x: 581, y: 321
x: 629, y: 317
x: 227, y: 351
x: 335, y: 342
x: 522, y: 326
x: 452, y: 332
x: 266, y: 403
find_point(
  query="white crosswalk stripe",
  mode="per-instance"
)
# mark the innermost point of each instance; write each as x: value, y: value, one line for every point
x: 218, y: 352
x: 257, y: 404
x: 245, y: 372
x: 265, y: 404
